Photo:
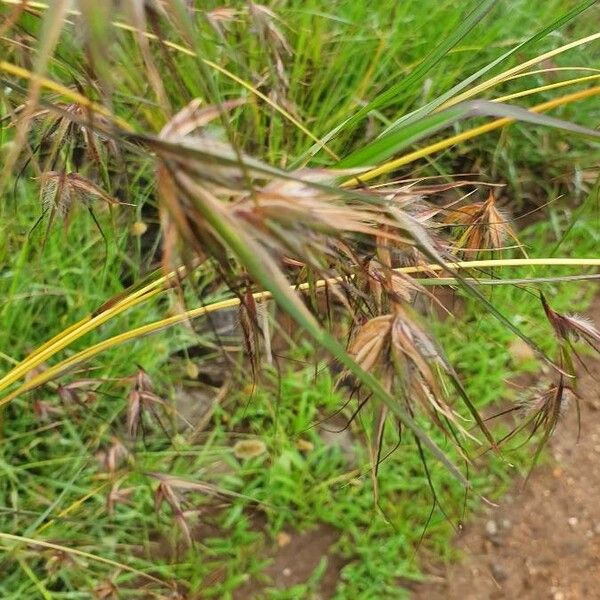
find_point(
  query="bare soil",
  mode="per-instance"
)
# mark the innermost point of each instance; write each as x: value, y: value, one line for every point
x: 295, y: 557
x: 543, y: 541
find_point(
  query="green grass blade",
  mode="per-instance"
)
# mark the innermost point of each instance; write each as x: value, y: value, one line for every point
x: 395, y: 141
x: 433, y: 58
x: 431, y: 106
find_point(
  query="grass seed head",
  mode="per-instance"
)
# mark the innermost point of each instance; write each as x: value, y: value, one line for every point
x: 245, y: 449
x: 485, y: 226
x: 112, y: 457
x: 572, y: 327
x: 118, y: 495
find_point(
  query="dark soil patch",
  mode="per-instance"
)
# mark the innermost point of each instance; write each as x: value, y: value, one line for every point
x: 295, y: 557
x: 543, y: 541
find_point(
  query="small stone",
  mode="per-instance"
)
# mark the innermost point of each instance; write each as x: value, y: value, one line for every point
x: 557, y: 471
x: 558, y: 595
x: 192, y: 370
x: 491, y: 528
x: 245, y: 449
x: 506, y: 524
x: 573, y: 521
x: 498, y: 572
x: 283, y: 539
x: 287, y: 572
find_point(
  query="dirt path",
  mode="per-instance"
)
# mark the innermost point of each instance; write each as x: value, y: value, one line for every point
x: 544, y: 541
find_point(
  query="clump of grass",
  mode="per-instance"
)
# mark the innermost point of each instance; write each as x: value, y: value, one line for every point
x: 200, y: 120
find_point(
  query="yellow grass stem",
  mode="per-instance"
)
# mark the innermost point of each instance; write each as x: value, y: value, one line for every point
x: 74, y: 506
x: 72, y: 95
x: 551, y: 70
x: 485, y: 85
x: 466, y: 135
x: 76, y: 552
x: 85, y: 325
x: 545, y: 88
x: 149, y: 328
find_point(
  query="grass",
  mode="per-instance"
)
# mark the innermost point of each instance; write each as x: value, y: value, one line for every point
x: 114, y: 512
x: 47, y: 473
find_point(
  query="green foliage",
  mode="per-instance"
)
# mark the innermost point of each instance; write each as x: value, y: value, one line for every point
x: 69, y: 474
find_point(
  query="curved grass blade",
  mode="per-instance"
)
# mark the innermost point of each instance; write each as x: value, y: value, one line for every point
x: 83, y: 554
x: 139, y: 294
x: 393, y: 142
x: 447, y: 96
x: 470, y: 134
x: 545, y: 88
x: 479, y: 11
x: 518, y: 69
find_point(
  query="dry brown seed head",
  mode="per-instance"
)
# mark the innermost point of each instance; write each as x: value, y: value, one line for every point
x: 245, y: 449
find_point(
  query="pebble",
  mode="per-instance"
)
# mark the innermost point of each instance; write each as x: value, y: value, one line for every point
x: 558, y: 596
x: 498, y: 571
x: 491, y: 527
x: 506, y: 524
x: 573, y: 521
x: 287, y: 572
